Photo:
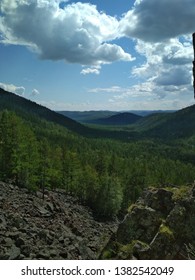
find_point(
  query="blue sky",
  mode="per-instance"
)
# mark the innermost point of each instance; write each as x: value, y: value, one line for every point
x: 97, y: 55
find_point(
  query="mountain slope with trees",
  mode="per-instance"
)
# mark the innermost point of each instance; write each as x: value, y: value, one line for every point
x: 24, y: 107
x: 117, y: 119
x: 180, y: 124
x: 39, y: 152
x: 34, y: 112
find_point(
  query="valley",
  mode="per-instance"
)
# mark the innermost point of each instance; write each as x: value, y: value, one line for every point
x: 105, y: 167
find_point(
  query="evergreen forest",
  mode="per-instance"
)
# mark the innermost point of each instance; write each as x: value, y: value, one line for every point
x: 107, y: 169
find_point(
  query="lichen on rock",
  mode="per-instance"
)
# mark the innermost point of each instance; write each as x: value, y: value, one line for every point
x: 158, y: 226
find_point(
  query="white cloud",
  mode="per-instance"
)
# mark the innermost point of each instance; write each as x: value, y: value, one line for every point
x: 19, y: 90
x: 78, y: 33
x: 143, y: 96
x: 121, y: 93
x: 34, y: 92
x: 91, y: 70
x: 159, y: 20
x: 112, y: 89
x: 167, y: 65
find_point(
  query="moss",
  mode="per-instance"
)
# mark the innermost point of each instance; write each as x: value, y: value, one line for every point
x: 107, y: 254
x: 111, y: 251
x: 127, y: 247
x: 144, y: 245
x: 126, y: 252
x: 118, y: 251
x: 131, y: 207
x: 166, y: 230
x: 181, y: 193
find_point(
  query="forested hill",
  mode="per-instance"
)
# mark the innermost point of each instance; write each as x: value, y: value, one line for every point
x: 28, y: 109
x: 87, y: 116
x: 118, y: 119
x: 180, y: 124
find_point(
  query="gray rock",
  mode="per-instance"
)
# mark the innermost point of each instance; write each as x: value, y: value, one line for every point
x: 3, y: 222
x: 26, y: 250
x: 63, y: 254
x: 19, y: 242
x: 141, y: 223
x: 37, y: 229
x: 157, y: 227
x: 8, y: 242
x: 50, y: 206
x: 43, y: 254
x: 14, y: 253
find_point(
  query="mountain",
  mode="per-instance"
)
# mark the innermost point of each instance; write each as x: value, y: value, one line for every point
x: 92, y: 116
x: 26, y: 108
x: 87, y: 116
x: 39, y: 156
x: 145, y: 113
x: 118, y: 119
x: 180, y: 124
x: 31, y: 110
x: 159, y: 125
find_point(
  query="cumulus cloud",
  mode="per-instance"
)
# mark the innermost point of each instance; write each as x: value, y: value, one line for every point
x: 175, y: 76
x: 19, y: 90
x: 168, y: 65
x: 159, y: 20
x: 76, y: 33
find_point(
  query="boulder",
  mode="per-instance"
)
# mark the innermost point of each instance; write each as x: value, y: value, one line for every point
x: 161, y: 225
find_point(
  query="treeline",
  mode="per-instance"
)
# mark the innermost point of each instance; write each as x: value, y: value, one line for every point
x: 107, y: 175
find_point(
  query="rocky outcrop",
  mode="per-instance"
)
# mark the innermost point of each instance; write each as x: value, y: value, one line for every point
x: 58, y: 227
x: 161, y: 225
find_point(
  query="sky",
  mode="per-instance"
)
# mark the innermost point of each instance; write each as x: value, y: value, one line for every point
x: 98, y: 55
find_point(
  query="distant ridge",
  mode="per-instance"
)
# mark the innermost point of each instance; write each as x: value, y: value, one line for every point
x: 180, y: 124
x: 29, y: 109
x: 87, y: 116
x: 118, y: 119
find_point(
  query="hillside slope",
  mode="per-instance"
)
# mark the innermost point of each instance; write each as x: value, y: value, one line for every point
x: 31, y: 110
x: 26, y: 108
x: 180, y: 124
x: 58, y: 227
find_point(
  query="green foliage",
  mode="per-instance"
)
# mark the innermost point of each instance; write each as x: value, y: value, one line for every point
x: 109, y: 196
x: 18, y: 150
x: 166, y: 230
x: 106, y: 174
